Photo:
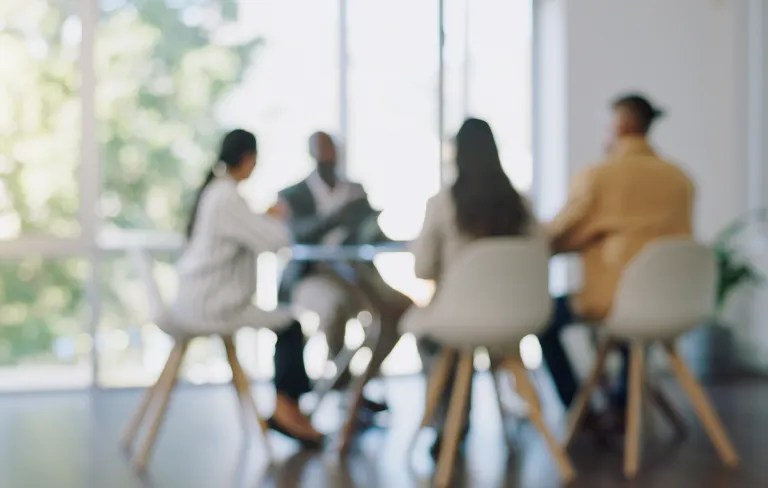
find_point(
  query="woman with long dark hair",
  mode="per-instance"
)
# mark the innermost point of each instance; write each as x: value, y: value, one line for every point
x: 481, y: 203
x: 217, y: 278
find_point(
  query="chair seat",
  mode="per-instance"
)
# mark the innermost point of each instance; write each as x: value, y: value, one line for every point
x: 176, y: 322
x: 648, y: 330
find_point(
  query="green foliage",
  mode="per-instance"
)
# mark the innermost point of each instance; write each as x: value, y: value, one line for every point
x: 160, y: 76
x: 735, y: 269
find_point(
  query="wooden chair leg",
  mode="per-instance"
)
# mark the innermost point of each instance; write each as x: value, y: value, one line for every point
x: 164, y: 390
x: 455, y: 420
x: 664, y: 404
x: 634, y: 410
x: 350, y: 424
x: 436, y: 383
x: 147, y: 399
x: 581, y: 403
x: 325, y: 385
x: 703, y: 408
x: 242, y: 384
x: 528, y: 392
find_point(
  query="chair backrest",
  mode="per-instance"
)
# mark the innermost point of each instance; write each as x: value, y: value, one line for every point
x: 498, y: 286
x: 145, y: 266
x: 667, y: 289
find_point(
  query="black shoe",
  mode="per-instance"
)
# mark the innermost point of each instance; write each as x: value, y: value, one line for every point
x: 306, y: 442
x: 374, y: 407
x: 434, y: 451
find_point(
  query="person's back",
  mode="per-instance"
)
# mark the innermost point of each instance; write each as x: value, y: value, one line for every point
x: 613, y: 210
x: 637, y: 197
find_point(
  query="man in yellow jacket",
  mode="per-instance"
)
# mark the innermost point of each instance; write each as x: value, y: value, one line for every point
x: 614, y: 208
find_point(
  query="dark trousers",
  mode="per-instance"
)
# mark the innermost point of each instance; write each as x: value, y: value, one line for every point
x: 558, y: 363
x: 290, y: 374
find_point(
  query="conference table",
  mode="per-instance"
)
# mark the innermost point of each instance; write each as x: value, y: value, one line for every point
x: 335, y: 259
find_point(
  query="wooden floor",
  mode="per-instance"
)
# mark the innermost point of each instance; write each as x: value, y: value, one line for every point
x: 70, y: 439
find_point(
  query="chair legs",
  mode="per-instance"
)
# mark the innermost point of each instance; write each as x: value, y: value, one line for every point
x: 634, y: 411
x: 162, y: 390
x: 703, y: 408
x: 436, y: 386
x: 242, y: 385
x: 581, y: 403
x: 149, y: 396
x: 455, y: 420
x: 158, y: 396
x: 436, y: 383
x: 528, y: 392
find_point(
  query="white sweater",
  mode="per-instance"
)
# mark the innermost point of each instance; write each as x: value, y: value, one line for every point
x: 217, y: 272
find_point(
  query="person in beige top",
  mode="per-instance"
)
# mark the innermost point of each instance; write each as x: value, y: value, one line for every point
x: 481, y: 203
x: 614, y: 208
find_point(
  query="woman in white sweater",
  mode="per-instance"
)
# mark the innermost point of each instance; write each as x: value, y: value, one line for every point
x: 481, y: 203
x: 217, y: 278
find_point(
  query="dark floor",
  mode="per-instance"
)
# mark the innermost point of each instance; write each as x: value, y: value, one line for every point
x: 67, y: 440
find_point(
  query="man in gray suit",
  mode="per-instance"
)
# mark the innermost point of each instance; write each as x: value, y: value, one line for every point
x: 326, y: 209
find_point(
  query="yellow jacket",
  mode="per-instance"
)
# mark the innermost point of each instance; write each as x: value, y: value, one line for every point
x: 613, y: 210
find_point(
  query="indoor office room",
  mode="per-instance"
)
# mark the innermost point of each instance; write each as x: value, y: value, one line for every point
x: 369, y: 243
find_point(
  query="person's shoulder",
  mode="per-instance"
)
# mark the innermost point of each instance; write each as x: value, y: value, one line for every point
x: 676, y: 170
x: 220, y: 193
x: 442, y: 199
x: 221, y: 188
x: 592, y: 172
x: 295, y: 189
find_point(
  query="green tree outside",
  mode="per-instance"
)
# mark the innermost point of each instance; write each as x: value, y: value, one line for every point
x: 160, y: 75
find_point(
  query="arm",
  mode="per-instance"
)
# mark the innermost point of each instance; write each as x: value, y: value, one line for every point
x: 569, y: 230
x: 261, y: 233
x: 427, y: 249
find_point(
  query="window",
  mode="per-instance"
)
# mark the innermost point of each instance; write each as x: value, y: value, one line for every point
x: 40, y: 119
x: 43, y: 341
x: 488, y: 75
x: 393, y: 138
x: 112, y: 114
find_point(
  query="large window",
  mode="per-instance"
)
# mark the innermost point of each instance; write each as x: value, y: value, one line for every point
x: 40, y: 117
x: 112, y: 111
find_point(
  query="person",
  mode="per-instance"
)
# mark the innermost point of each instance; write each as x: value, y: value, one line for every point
x: 481, y: 203
x: 217, y: 277
x: 614, y: 208
x: 327, y: 209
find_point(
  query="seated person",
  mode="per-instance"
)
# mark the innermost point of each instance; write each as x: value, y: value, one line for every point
x: 217, y: 278
x: 481, y: 203
x: 326, y: 209
x: 614, y: 209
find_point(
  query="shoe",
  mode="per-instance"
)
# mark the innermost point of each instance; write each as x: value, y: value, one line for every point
x: 602, y: 428
x: 306, y: 442
x: 434, y: 450
x: 374, y: 407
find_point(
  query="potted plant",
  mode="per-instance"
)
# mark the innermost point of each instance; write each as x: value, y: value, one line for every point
x: 734, y: 268
x: 710, y: 348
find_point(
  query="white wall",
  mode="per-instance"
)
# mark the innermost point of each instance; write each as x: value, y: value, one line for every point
x: 689, y: 56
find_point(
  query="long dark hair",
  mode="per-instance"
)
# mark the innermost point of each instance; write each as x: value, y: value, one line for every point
x: 234, y: 147
x: 487, y: 204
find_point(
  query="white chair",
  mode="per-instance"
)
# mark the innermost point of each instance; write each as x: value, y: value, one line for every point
x: 158, y: 395
x: 493, y: 296
x: 666, y: 290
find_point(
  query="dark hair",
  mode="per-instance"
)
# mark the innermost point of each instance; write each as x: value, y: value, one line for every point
x: 641, y: 109
x: 235, y: 145
x: 487, y: 204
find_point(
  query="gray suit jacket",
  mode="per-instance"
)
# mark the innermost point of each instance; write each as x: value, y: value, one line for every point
x: 309, y: 227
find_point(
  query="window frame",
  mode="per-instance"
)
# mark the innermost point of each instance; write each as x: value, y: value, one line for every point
x: 92, y: 244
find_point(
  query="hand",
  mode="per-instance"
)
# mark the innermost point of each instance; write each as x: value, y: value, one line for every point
x: 278, y: 211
